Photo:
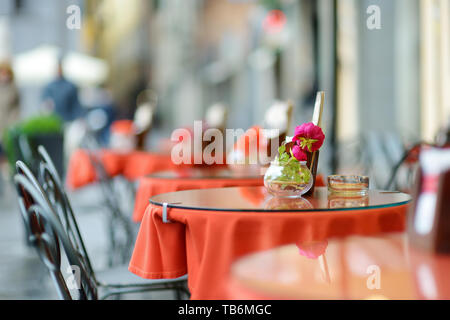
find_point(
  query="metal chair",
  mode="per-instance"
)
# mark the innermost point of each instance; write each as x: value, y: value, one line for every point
x: 121, y: 232
x: 47, y: 228
x: 53, y: 187
x: 410, y: 158
x: 46, y: 235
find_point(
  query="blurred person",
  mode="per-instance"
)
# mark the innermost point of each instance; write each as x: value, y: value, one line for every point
x: 443, y: 136
x: 61, y: 97
x: 9, y: 98
x: 9, y: 108
x: 100, y: 112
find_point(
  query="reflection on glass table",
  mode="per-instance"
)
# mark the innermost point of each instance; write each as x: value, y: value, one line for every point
x: 382, y: 267
x: 276, y: 203
x: 339, y: 201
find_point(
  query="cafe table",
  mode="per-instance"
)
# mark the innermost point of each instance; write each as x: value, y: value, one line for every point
x: 191, y: 178
x: 356, y: 267
x: 201, y: 232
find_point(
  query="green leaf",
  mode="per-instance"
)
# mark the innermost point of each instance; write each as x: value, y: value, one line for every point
x: 282, y: 149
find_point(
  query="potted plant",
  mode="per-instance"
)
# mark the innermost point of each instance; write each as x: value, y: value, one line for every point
x: 22, y: 139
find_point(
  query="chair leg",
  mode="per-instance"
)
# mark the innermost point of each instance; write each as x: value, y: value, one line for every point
x: 112, y: 242
x: 187, y: 293
x: 182, y: 292
x: 178, y: 294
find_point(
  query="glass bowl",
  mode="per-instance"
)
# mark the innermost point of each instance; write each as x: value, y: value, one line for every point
x: 288, y: 181
x: 348, y: 185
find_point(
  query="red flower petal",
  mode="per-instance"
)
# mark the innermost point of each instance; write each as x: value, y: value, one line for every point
x: 310, y: 131
x: 298, y: 153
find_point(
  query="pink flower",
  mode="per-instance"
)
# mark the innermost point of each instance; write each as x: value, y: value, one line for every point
x: 309, y: 137
x: 298, y: 153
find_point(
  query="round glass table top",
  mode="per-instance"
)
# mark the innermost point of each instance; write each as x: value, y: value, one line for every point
x: 207, y: 173
x: 254, y: 199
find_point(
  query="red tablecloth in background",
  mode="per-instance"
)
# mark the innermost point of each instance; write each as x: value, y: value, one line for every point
x: 205, y: 243
x: 150, y: 186
x: 141, y: 163
x: 133, y: 165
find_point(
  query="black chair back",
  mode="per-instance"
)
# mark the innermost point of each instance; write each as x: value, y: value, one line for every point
x: 47, y: 235
x: 54, y: 190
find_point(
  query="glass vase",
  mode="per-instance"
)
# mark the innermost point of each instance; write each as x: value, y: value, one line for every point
x: 290, y: 180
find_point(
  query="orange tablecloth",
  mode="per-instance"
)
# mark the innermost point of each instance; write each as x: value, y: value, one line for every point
x: 81, y: 172
x: 150, y: 186
x: 139, y: 164
x: 133, y: 165
x: 205, y: 243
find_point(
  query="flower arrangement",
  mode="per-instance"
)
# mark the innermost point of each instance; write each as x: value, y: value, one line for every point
x: 289, y: 175
x: 307, y: 137
x: 291, y: 166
